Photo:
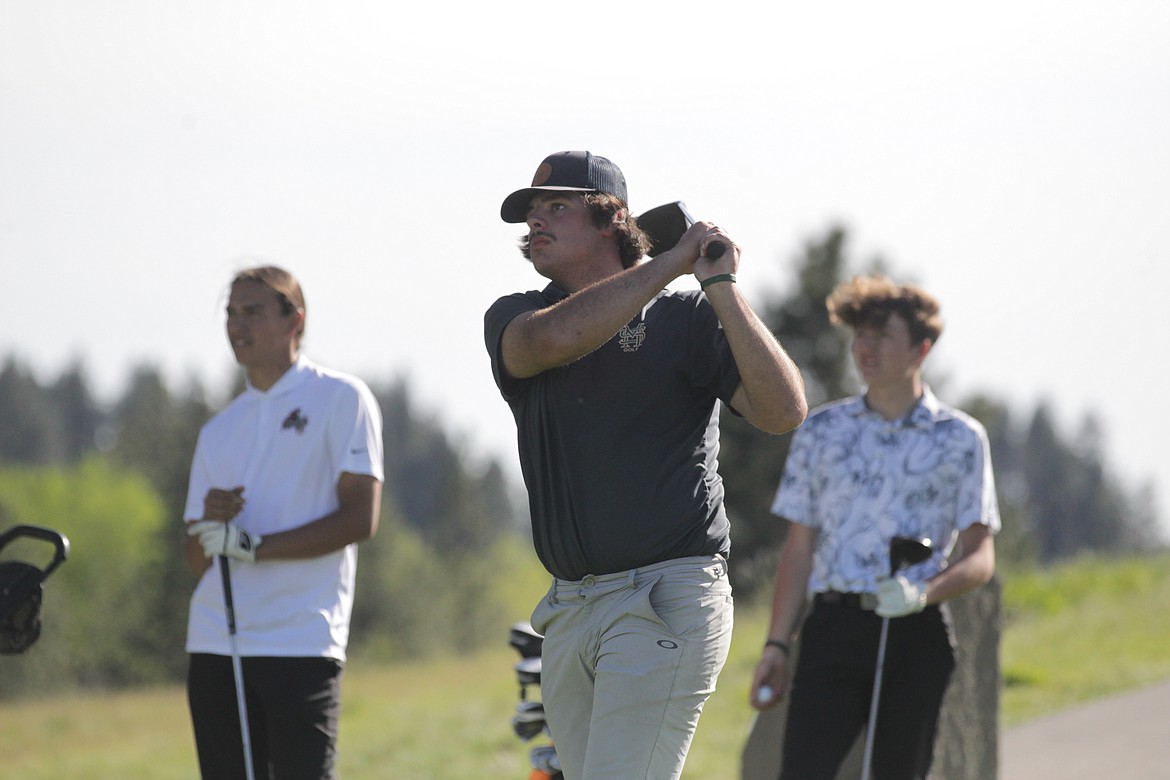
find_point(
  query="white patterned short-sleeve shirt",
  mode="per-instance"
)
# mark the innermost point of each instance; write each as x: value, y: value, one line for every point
x: 860, y: 480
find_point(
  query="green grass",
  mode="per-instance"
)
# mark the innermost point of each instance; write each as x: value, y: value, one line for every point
x: 1073, y: 633
x: 1083, y: 630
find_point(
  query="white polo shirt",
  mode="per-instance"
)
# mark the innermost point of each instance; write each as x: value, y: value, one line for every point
x: 288, y: 447
x: 860, y: 480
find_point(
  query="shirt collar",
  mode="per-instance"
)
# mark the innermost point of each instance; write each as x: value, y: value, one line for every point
x: 295, y: 374
x: 924, y: 414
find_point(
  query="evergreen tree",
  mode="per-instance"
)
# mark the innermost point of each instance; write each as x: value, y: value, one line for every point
x: 1075, y: 504
x: 31, y: 431
x: 155, y: 436
x: 430, y: 484
x: 76, y: 412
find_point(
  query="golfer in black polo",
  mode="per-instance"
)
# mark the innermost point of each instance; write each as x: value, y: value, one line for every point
x: 615, y: 385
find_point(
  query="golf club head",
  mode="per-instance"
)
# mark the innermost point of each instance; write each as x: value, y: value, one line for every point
x: 527, y: 730
x: 529, y: 720
x: 528, y: 671
x: 544, y: 759
x: 665, y: 226
x: 907, y: 551
x: 526, y: 641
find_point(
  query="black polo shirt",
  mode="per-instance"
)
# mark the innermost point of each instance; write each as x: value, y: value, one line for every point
x: 619, y: 448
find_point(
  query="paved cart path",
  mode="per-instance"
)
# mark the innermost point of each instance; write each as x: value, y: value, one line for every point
x: 1121, y: 737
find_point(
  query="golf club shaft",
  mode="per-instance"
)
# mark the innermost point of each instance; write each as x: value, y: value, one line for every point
x: 874, y: 699
x: 903, y: 551
x: 237, y: 666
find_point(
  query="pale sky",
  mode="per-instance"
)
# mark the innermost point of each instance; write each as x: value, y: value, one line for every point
x: 1012, y: 157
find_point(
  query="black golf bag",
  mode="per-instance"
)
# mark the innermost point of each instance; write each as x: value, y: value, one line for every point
x: 21, y: 589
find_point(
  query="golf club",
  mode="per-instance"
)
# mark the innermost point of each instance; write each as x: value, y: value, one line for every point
x: 237, y: 667
x: 715, y: 249
x: 529, y: 719
x: 666, y: 224
x: 904, y: 551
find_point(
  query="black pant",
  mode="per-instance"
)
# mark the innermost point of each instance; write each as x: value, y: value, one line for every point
x: 833, y: 686
x: 293, y: 707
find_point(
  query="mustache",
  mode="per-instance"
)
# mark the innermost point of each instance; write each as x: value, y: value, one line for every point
x: 535, y: 233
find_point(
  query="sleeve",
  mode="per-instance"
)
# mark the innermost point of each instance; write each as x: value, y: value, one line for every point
x: 794, y: 494
x: 503, y: 311
x: 977, y: 498
x: 198, y: 483
x: 358, y: 423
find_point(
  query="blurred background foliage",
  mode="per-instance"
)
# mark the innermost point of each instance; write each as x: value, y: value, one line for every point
x: 452, y: 559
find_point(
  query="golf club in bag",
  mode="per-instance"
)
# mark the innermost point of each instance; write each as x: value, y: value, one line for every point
x: 665, y: 226
x: 237, y: 667
x: 904, y: 551
x: 21, y: 589
x: 529, y: 722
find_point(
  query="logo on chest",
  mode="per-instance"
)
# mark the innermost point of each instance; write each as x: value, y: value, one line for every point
x: 295, y: 421
x: 632, y: 338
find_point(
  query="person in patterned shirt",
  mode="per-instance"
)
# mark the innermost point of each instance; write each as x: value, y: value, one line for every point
x: 893, y: 461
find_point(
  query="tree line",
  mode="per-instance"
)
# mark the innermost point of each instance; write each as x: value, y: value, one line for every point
x: 114, y: 479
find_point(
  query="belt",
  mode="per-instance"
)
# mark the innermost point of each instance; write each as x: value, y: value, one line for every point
x: 866, y: 601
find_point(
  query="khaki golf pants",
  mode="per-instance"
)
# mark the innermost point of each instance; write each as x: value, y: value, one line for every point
x: 628, y: 661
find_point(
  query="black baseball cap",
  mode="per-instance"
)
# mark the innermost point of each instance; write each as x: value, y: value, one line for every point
x: 567, y: 171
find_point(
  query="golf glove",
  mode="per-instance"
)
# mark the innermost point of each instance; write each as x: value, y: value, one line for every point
x: 225, y: 539
x: 898, y: 597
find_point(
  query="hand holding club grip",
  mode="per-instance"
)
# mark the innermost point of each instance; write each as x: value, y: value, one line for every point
x: 715, y: 249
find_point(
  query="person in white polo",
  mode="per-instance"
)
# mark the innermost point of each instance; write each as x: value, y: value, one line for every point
x: 285, y: 482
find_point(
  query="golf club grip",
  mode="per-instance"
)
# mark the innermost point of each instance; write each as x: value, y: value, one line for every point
x: 229, y: 604
x: 715, y: 250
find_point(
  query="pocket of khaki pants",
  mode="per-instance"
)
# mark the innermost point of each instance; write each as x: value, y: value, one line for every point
x: 542, y: 613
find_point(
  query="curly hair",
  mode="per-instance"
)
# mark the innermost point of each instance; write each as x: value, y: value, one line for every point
x: 868, y: 301
x: 633, y: 243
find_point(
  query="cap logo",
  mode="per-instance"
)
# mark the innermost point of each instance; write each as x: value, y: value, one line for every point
x: 543, y: 174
